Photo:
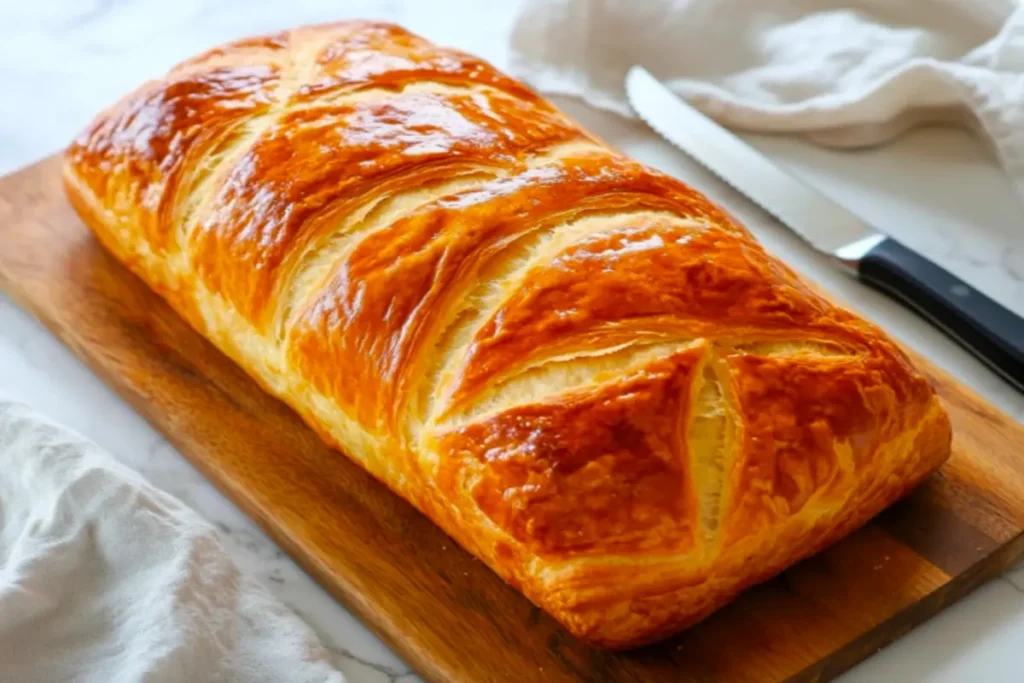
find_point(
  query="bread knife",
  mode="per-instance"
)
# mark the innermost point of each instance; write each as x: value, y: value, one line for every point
x: 994, y: 334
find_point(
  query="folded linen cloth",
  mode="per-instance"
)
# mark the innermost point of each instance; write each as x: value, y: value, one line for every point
x: 843, y: 73
x: 105, y: 579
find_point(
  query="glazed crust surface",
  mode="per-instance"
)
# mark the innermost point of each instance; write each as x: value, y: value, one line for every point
x: 587, y: 373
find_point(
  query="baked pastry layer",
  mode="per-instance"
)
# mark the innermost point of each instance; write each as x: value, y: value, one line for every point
x: 589, y: 375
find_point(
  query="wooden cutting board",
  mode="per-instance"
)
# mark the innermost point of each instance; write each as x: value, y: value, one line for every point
x: 443, y: 611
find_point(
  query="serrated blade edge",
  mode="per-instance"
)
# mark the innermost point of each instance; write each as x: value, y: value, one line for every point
x: 825, y: 225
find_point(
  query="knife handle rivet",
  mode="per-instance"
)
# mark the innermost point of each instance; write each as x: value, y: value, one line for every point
x: 960, y: 290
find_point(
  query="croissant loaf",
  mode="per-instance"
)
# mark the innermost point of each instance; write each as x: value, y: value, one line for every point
x: 584, y: 371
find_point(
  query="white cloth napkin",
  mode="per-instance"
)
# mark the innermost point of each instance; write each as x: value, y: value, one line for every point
x: 105, y: 579
x: 844, y: 73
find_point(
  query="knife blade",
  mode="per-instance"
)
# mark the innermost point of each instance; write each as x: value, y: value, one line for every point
x: 993, y: 333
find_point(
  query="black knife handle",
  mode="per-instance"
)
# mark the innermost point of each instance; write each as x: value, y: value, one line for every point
x: 991, y: 332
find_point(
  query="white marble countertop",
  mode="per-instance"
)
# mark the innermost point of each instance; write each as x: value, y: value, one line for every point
x: 939, y: 190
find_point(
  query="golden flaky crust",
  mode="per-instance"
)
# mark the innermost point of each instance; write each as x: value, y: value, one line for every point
x: 588, y: 374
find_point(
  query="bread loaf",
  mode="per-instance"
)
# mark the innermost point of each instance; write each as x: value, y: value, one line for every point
x: 588, y: 374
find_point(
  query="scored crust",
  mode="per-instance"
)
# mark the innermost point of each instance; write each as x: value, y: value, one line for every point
x: 587, y: 373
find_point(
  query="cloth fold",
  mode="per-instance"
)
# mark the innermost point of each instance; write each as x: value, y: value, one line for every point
x: 105, y: 579
x: 843, y: 73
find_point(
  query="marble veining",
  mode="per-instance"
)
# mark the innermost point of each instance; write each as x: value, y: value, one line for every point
x: 65, y: 59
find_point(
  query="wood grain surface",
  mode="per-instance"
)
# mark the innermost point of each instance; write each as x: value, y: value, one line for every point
x: 443, y: 611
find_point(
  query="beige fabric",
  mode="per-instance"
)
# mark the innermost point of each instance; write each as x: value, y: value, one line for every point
x: 844, y: 74
x: 105, y: 579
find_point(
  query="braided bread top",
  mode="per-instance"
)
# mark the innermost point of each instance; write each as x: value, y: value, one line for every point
x: 564, y: 357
